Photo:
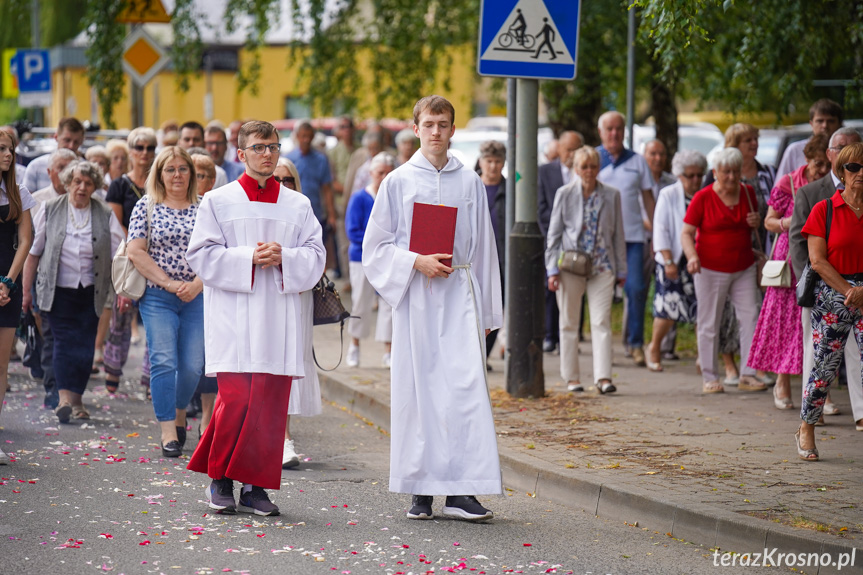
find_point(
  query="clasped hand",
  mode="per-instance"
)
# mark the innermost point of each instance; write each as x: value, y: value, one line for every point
x: 267, y: 254
x: 4, y: 295
x: 753, y: 219
x: 431, y: 267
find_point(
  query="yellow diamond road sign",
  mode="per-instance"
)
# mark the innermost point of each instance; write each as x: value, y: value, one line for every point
x: 143, y: 58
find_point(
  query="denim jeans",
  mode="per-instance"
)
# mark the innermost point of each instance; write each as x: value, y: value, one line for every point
x: 636, y: 294
x: 175, y: 339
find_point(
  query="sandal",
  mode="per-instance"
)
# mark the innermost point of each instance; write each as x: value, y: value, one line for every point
x: 80, y: 412
x: 781, y: 402
x: 112, y: 386
x: 748, y: 383
x: 654, y: 366
x: 712, y: 387
x: 805, y: 454
x: 830, y: 409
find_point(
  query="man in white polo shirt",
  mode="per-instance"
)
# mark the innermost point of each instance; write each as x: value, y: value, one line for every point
x: 628, y: 172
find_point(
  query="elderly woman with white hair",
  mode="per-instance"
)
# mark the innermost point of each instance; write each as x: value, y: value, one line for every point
x: 406, y: 144
x: 674, y: 301
x: 586, y: 219
x: 724, y: 215
x: 75, y: 238
x: 362, y: 293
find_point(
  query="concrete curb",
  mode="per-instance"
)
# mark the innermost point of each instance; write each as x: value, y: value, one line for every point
x: 697, y: 523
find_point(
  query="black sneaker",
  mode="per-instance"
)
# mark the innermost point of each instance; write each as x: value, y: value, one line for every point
x: 257, y: 502
x: 421, y: 507
x: 220, y: 494
x: 465, y: 507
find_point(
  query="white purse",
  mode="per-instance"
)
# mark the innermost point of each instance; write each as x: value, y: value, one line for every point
x: 128, y: 281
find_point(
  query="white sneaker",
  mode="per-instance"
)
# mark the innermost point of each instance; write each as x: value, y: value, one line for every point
x: 289, y: 456
x: 353, y: 359
x: 4, y: 459
x: 387, y: 360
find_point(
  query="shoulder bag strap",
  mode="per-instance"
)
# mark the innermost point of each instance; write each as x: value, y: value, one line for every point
x: 744, y: 191
x: 341, y: 349
x: 135, y: 187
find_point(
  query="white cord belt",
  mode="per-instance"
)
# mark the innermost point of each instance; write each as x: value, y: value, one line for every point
x: 480, y: 334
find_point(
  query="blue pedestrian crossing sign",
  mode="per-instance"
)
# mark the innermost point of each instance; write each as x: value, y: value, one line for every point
x: 529, y: 38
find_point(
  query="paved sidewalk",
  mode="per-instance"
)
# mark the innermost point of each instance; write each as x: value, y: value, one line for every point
x: 718, y: 470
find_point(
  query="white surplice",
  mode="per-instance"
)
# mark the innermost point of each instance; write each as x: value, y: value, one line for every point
x: 442, y: 431
x: 254, y: 326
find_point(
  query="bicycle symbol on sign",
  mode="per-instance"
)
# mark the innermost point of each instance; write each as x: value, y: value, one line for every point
x: 515, y: 34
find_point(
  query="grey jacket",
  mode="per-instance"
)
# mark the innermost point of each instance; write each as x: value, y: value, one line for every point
x: 56, y: 216
x: 805, y: 199
x: 566, y: 221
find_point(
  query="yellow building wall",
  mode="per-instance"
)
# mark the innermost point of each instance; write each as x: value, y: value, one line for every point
x: 163, y: 100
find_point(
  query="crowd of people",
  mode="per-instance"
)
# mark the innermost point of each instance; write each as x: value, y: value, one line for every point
x: 612, y: 219
x: 705, y: 235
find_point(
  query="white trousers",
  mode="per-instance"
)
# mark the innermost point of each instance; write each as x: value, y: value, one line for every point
x: 852, y: 363
x: 362, y: 300
x: 712, y: 288
x: 600, y: 293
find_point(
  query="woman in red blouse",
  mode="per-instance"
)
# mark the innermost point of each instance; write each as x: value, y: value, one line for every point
x: 839, y: 293
x: 721, y: 261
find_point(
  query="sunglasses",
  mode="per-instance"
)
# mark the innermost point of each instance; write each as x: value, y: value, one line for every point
x: 852, y: 167
x: 286, y: 180
x: 140, y: 148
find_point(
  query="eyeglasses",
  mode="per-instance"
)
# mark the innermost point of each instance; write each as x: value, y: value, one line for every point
x: 140, y: 148
x: 690, y: 176
x: 852, y: 167
x: 202, y: 176
x: 286, y: 180
x: 837, y: 148
x: 820, y: 164
x: 184, y: 170
x: 261, y: 148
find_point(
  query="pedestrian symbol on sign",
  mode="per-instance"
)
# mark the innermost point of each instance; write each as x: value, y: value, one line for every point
x: 529, y: 34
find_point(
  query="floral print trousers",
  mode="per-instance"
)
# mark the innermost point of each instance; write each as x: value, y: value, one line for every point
x: 832, y: 322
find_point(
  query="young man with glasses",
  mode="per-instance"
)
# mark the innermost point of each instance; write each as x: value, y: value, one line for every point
x: 256, y: 247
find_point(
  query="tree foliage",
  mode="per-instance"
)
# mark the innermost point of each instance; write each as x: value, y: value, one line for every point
x: 187, y: 49
x: 757, y: 56
x: 105, y: 54
x: 407, y: 45
x: 263, y: 14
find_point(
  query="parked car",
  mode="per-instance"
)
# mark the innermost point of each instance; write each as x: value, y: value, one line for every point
x: 35, y: 142
x: 702, y: 136
x: 465, y: 143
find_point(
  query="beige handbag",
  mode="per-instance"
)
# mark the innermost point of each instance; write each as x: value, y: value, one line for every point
x: 777, y: 273
x: 576, y: 262
x: 128, y: 281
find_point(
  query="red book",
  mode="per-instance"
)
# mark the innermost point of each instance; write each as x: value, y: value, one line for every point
x: 433, y: 230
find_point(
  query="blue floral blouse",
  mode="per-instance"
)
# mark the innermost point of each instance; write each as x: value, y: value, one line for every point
x: 590, y: 239
x: 170, y: 232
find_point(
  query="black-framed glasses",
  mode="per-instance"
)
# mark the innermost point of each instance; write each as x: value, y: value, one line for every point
x: 286, y: 181
x: 852, y: 167
x: 140, y: 148
x: 261, y: 148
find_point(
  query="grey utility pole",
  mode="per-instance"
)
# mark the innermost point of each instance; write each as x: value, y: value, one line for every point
x: 526, y: 266
x: 35, y: 42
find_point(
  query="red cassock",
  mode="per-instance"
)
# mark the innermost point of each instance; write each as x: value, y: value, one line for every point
x: 243, y: 441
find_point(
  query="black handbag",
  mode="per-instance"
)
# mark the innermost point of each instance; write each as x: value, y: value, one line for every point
x: 32, y: 357
x: 328, y: 308
x: 808, y: 278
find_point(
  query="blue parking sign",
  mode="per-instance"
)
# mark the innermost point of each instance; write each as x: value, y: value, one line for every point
x: 34, y: 70
x: 529, y: 38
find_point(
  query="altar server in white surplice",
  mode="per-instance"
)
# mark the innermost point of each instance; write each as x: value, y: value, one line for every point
x: 256, y: 245
x: 443, y: 438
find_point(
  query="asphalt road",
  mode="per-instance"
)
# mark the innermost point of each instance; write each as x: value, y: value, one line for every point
x: 97, y: 497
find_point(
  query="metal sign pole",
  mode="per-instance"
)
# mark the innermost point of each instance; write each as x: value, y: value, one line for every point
x: 526, y: 265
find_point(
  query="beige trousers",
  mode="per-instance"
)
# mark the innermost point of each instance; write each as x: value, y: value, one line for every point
x: 600, y: 292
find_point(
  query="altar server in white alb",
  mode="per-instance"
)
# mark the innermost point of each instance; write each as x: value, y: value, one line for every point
x: 443, y: 438
x: 256, y: 245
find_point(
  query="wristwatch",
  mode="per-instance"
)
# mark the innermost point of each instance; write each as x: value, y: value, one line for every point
x: 669, y: 262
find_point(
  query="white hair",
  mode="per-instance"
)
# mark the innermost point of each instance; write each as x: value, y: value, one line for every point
x: 608, y: 115
x: 686, y: 158
x: 728, y: 158
x: 384, y: 158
